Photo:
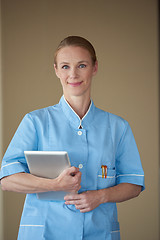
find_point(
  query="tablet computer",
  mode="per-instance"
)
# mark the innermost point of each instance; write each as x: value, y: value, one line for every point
x: 48, y: 164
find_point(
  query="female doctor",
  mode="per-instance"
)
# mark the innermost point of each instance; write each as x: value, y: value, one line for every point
x: 105, y: 163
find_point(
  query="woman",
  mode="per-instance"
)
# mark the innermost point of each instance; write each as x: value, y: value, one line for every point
x: 102, y: 151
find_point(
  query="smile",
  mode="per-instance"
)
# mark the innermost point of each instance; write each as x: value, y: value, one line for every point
x: 75, y: 84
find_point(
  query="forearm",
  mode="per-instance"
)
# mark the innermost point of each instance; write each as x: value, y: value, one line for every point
x: 69, y: 181
x: 119, y: 193
x: 27, y: 183
x: 89, y: 200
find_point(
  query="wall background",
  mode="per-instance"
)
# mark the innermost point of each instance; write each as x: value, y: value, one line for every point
x: 1, y: 197
x: 125, y: 35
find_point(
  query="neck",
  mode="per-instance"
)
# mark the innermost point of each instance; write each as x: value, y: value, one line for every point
x: 79, y: 104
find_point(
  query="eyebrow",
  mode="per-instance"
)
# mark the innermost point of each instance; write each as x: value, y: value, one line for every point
x: 62, y: 63
x: 83, y: 61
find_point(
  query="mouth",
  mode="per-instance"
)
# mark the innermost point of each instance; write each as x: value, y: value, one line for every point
x: 75, y: 84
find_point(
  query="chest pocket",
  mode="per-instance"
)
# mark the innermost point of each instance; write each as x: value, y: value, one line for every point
x: 106, y: 181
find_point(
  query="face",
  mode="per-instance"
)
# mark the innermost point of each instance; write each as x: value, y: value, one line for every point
x: 75, y: 70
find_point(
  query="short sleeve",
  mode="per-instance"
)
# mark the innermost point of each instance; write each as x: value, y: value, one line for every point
x: 24, y: 139
x: 128, y: 164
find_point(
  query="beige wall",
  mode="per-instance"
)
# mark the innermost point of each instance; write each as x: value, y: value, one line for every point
x: 1, y: 196
x: 125, y: 35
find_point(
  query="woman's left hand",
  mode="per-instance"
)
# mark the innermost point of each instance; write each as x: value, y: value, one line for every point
x: 85, y: 201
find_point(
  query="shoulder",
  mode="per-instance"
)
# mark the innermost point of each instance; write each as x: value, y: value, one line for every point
x: 114, y: 120
x: 40, y: 116
x: 117, y: 121
x: 118, y: 126
x: 43, y: 112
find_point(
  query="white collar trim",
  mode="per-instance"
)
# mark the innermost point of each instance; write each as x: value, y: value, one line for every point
x: 80, y: 125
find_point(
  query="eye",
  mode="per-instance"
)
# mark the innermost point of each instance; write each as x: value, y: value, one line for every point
x: 82, y: 66
x: 65, y: 67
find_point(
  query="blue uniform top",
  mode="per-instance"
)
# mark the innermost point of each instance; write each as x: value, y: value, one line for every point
x: 104, y: 139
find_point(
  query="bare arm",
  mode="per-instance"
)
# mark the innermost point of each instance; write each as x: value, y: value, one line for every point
x: 28, y: 183
x: 120, y: 192
x: 89, y: 200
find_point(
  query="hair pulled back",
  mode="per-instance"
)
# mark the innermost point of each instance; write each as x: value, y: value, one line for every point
x: 76, y: 41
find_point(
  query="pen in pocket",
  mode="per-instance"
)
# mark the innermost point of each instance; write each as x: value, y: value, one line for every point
x: 104, y: 171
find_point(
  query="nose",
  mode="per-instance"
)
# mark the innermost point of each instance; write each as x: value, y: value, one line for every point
x: 73, y: 73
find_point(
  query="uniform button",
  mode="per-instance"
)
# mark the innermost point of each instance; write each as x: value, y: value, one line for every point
x: 80, y: 166
x: 79, y: 133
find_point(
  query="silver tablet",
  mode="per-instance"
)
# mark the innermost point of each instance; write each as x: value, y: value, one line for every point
x: 48, y: 164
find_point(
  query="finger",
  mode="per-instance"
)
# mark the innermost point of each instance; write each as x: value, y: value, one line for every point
x: 78, y: 204
x: 85, y: 210
x: 77, y: 176
x: 74, y: 170
x: 75, y: 189
x: 71, y: 170
x: 73, y: 202
x: 72, y: 196
x: 78, y: 173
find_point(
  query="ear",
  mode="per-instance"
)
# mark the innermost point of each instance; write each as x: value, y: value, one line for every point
x: 95, y: 68
x: 56, y: 70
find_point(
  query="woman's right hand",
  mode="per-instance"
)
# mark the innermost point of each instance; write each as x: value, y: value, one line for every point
x: 69, y: 180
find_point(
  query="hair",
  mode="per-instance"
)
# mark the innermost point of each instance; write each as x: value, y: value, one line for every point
x: 78, y: 42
